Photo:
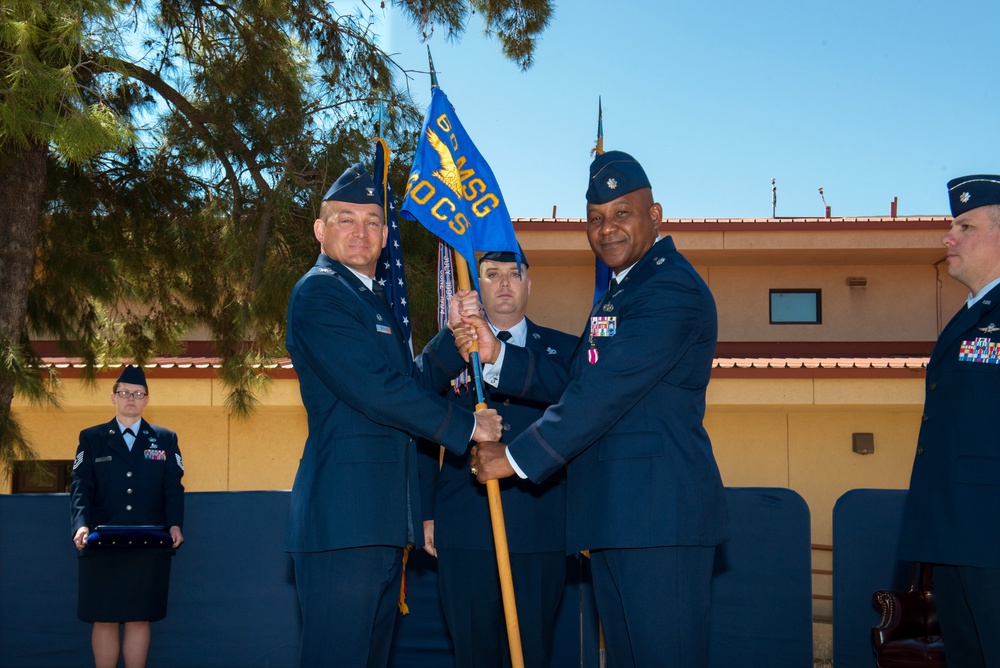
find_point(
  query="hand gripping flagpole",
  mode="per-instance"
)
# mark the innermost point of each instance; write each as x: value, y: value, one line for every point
x: 493, y: 496
x: 492, y: 486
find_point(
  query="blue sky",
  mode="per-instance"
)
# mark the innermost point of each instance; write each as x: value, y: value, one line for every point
x: 869, y: 100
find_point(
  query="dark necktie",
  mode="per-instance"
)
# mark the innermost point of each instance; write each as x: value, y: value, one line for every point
x: 379, y: 291
x: 128, y: 432
x: 613, y: 286
x: 504, y: 336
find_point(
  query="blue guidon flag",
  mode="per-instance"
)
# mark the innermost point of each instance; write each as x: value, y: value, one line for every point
x: 452, y: 191
x: 390, y: 272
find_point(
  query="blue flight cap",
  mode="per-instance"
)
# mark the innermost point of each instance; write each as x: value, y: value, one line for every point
x: 133, y: 375
x: 971, y: 192
x: 355, y: 186
x: 504, y: 256
x: 612, y: 175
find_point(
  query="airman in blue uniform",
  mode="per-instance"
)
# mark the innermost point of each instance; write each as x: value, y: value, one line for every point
x: 952, y: 514
x: 644, y: 494
x: 457, y: 526
x: 355, y: 502
x: 126, y: 472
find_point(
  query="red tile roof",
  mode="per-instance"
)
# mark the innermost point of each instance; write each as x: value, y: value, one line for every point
x: 722, y: 367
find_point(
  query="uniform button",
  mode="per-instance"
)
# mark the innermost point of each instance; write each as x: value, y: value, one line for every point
x: 933, y: 385
x: 920, y: 451
x: 128, y: 507
x: 128, y: 491
x: 128, y: 475
x: 506, y: 402
x: 506, y: 427
x: 924, y: 418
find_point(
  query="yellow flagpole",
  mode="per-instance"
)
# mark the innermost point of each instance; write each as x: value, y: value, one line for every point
x: 492, y: 486
x: 496, y: 512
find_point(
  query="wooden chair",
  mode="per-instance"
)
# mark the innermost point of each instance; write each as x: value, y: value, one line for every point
x: 908, y: 633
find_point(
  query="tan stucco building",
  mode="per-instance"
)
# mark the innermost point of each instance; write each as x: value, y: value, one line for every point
x: 786, y: 404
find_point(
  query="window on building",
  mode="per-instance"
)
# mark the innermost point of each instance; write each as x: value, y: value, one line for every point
x: 42, y: 476
x: 796, y: 307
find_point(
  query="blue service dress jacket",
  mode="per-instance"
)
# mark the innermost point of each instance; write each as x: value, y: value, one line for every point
x: 357, y: 482
x: 534, y: 514
x: 952, y: 511
x: 628, y: 422
x: 112, y: 485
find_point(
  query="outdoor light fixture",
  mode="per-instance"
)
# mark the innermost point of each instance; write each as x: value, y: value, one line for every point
x: 863, y: 444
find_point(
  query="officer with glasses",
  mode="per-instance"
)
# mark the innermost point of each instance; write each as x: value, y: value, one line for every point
x: 127, y: 473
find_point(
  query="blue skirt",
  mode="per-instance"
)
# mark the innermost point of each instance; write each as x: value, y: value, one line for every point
x: 123, y: 584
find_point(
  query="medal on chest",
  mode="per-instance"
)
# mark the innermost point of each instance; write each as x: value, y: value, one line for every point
x: 981, y: 350
x: 601, y: 326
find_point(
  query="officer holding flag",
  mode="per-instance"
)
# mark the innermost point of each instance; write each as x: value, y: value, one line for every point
x: 355, y: 502
x: 644, y: 494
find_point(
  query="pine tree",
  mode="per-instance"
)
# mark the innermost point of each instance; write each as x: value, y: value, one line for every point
x: 160, y: 164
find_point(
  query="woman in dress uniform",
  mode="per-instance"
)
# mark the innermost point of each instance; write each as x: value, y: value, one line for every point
x: 127, y: 472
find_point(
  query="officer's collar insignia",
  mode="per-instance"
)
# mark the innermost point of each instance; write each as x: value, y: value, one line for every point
x: 609, y: 307
x: 989, y: 329
x: 536, y: 336
x: 324, y: 270
x: 111, y: 432
x: 551, y: 351
x: 986, y: 302
x: 658, y: 261
x: 378, y: 316
x: 612, y: 184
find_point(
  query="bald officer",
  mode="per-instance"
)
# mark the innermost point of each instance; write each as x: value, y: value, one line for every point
x: 355, y: 500
x: 952, y: 513
x: 644, y: 493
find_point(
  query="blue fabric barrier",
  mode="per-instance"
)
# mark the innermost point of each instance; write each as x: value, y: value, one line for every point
x: 865, y: 537
x: 762, y: 584
x: 233, y: 603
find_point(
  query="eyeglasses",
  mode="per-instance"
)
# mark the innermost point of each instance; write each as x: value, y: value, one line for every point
x: 125, y: 394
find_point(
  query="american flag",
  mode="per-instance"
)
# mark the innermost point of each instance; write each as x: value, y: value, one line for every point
x: 390, y: 270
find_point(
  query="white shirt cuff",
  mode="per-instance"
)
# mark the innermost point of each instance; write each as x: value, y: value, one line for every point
x: 491, y: 372
x: 513, y: 464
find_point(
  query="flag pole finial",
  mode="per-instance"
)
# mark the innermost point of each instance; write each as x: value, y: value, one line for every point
x: 380, y: 119
x: 434, y: 76
x: 599, y: 146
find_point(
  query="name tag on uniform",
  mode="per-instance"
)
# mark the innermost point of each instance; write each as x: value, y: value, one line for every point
x: 603, y: 325
x: 155, y: 455
x: 383, y: 329
x: 103, y: 459
x: 981, y: 350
